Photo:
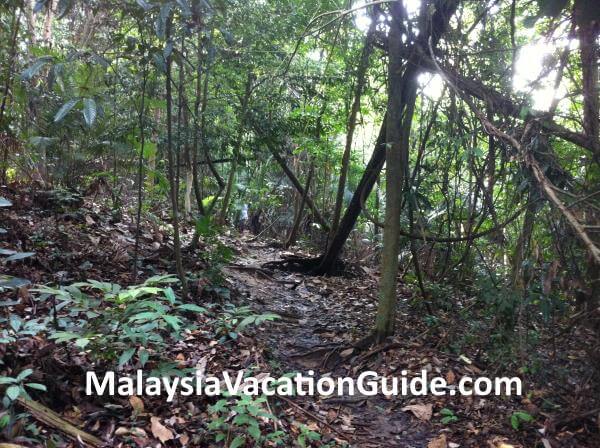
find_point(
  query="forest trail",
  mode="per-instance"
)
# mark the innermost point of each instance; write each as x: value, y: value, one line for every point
x: 320, y: 317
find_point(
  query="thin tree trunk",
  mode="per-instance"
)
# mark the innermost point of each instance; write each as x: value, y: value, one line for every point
x: 294, y: 180
x: 351, y: 126
x: 171, y: 171
x: 236, y: 148
x: 291, y: 239
x: 402, y: 82
x: 401, y: 102
x: 588, y: 49
x: 140, y: 179
x: 197, y: 137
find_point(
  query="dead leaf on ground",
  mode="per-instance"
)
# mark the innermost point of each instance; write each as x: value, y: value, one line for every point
x: 160, y: 431
x: 137, y: 404
x: 438, y: 442
x: 347, y: 352
x: 184, y: 439
x: 421, y: 411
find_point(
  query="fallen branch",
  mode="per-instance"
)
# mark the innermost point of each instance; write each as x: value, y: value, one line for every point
x: 50, y: 418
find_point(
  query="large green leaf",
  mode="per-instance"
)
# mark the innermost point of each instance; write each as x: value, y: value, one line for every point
x: 20, y: 256
x: 64, y: 110
x: 89, y: 111
x: 13, y: 392
x: 126, y: 356
x: 8, y: 281
x: 160, y: 25
x: 34, y: 68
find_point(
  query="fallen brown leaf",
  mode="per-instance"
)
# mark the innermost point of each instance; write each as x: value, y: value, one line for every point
x: 438, y: 442
x: 160, y: 431
x: 421, y: 411
x: 137, y: 404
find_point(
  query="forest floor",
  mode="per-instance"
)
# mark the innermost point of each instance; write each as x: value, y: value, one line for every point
x: 320, y: 319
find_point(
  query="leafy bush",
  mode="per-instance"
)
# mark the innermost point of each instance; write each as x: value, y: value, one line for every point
x: 8, y: 281
x: 238, y: 418
x: 233, y: 320
x: 520, y: 417
x: 121, y: 322
x: 448, y: 416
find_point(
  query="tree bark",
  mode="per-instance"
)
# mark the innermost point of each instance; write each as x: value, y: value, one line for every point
x: 171, y: 171
x: 588, y: 30
x: 401, y: 102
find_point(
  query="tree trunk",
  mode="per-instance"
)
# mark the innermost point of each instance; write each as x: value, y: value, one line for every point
x: 171, y: 171
x: 365, y: 185
x: 402, y: 90
x: 588, y: 30
x: 294, y: 180
x: 360, y: 83
x: 401, y: 101
x: 236, y: 148
x: 291, y: 239
x: 197, y: 136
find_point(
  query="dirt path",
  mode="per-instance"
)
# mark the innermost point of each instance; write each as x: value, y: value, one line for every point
x: 319, y: 315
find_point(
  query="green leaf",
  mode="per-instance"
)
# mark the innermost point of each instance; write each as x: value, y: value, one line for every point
x: 15, y: 322
x: 161, y: 22
x: 143, y: 355
x: 237, y: 442
x: 514, y: 422
x: 8, y: 281
x: 4, y: 420
x: 13, y: 392
x: 7, y: 380
x: 34, y: 68
x: 173, y: 321
x: 126, y: 356
x: 89, y: 111
x: 63, y: 336
x: 245, y: 322
x: 5, y: 202
x: 20, y: 256
x: 24, y: 374
x: 254, y: 431
x: 312, y: 435
x: 37, y: 386
x: 82, y: 342
x: 191, y: 307
x: 64, y: 110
